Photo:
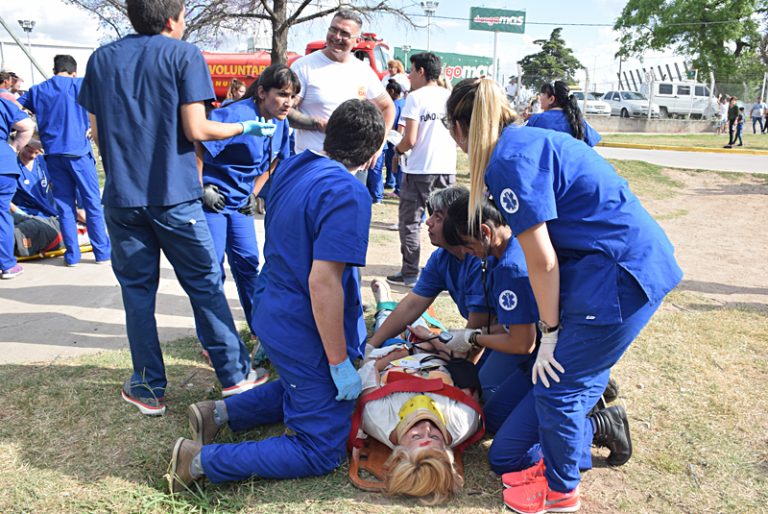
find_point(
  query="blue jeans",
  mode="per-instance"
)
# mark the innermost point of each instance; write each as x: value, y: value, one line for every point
x: 374, y: 180
x: 180, y: 231
x: 234, y: 234
x: 75, y: 177
x: 303, y: 397
x: 759, y: 120
x: 7, y: 190
x: 393, y: 179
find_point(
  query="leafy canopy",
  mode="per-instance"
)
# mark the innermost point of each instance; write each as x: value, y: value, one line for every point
x: 555, y: 61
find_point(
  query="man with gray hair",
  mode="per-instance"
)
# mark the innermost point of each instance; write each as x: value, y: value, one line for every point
x: 331, y: 76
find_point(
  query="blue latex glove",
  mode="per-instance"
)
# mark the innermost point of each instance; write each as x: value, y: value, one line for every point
x: 347, y: 380
x: 258, y: 127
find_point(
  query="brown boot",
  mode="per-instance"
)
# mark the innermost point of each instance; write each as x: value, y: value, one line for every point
x: 179, y: 475
x: 202, y: 426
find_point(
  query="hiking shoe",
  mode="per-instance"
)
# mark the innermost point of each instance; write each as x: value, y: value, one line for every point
x: 538, y: 498
x: 526, y: 476
x: 202, y: 425
x: 148, y: 405
x: 255, y: 378
x: 12, y: 272
x: 399, y: 280
x: 612, y: 432
x: 179, y: 472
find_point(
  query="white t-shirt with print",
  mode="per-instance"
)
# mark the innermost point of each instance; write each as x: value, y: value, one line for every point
x: 435, y: 150
x: 326, y: 84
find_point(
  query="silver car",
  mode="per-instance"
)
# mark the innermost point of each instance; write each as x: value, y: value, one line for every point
x: 594, y: 106
x: 630, y: 104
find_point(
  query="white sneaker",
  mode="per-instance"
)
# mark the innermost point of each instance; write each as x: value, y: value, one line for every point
x: 255, y: 378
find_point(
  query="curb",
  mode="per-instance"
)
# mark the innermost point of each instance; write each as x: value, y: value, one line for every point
x: 702, y: 149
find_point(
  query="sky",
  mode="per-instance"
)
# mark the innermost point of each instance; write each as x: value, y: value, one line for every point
x: 60, y: 23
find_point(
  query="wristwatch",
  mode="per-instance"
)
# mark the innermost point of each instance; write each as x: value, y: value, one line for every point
x: 544, y: 328
x: 473, y: 339
x: 398, y: 152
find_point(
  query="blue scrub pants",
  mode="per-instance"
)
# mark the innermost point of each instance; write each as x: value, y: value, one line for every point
x: 317, y: 426
x: 374, y: 181
x: 7, y: 190
x: 234, y: 234
x: 496, y: 367
x: 392, y: 180
x: 72, y: 176
x: 138, y: 234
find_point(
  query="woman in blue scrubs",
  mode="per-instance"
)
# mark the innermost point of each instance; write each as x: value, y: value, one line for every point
x: 598, y: 263
x: 561, y: 112
x: 235, y: 169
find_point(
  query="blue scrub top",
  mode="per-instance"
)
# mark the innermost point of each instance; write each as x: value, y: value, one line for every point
x: 10, y: 114
x: 135, y: 86
x: 597, y: 225
x: 233, y: 164
x: 461, y: 278
x: 510, y: 291
x: 399, y: 103
x: 61, y: 121
x: 555, y: 119
x: 33, y: 190
x: 318, y: 211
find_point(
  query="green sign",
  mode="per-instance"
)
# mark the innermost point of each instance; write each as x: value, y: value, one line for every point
x: 496, y: 20
x: 455, y: 66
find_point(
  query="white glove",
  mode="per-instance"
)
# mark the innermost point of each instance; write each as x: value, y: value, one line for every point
x: 460, y: 341
x: 545, y: 360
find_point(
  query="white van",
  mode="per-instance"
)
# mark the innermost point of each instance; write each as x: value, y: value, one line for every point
x: 681, y: 99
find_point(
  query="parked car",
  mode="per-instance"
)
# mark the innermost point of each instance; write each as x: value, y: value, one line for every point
x: 629, y: 104
x: 681, y: 99
x: 594, y: 105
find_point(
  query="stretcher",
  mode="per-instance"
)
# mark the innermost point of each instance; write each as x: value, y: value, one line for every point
x: 52, y: 253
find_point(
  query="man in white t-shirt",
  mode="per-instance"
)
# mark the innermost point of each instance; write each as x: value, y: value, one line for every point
x: 431, y: 164
x: 511, y: 90
x: 332, y: 76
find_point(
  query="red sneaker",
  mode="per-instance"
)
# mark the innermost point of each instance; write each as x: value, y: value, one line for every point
x: 526, y: 476
x: 537, y: 498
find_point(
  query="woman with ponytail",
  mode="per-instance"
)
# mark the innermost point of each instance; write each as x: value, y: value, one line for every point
x: 561, y: 112
x: 599, y: 266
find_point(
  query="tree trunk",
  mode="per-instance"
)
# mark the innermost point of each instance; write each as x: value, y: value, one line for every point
x: 279, y: 32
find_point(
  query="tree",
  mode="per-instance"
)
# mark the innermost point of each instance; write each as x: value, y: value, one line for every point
x: 716, y: 34
x: 208, y: 19
x: 555, y: 62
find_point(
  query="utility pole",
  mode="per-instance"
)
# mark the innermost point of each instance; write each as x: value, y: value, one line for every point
x: 430, y: 8
x: 27, y: 26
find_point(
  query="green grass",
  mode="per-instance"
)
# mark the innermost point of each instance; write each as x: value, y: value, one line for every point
x: 751, y: 141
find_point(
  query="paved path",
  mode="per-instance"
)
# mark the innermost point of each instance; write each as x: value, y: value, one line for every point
x: 691, y: 160
x: 52, y: 311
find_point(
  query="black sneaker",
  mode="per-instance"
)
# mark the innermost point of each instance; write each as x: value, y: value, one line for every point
x: 609, y: 395
x: 612, y: 432
x: 399, y: 280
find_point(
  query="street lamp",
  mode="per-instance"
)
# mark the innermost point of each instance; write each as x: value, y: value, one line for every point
x: 430, y: 8
x: 406, y: 49
x: 27, y: 26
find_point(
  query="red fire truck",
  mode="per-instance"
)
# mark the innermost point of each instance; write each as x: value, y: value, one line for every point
x: 248, y: 66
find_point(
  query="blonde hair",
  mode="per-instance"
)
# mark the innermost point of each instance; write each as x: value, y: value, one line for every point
x: 427, y: 474
x: 394, y: 63
x: 482, y: 110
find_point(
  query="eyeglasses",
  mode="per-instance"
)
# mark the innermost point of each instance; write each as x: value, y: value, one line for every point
x: 343, y: 34
x: 446, y: 122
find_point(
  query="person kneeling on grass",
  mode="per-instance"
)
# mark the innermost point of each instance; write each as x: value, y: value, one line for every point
x: 309, y: 320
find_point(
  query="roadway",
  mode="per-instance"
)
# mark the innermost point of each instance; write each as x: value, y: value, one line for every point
x: 714, y: 161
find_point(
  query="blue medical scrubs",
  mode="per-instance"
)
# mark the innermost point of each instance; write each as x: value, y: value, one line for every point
x: 461, y: 278
x: 616, y: 266
x: 10, y: 114
x: 555, y: 119
x: 34, y: 193
x: 233, y: 165
x: 511, y: 296
x: 63, y: 124
x: 135, y: 87
x: 319, y: 212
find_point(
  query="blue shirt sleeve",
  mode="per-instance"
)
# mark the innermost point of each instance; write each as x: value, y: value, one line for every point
x: 341, y: 220
x: 431, y: 279
x: 26, y: 100
x: 591, y: 137
x: 514, y: 302
x: 523, y: 192
x: 195, y: 80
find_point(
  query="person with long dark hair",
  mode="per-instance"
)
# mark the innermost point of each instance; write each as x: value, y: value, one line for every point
x: 599, y: 266
x: 235, y: 169
x: 561, y: 112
